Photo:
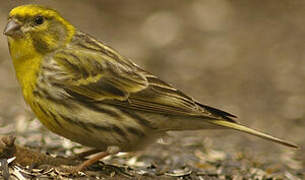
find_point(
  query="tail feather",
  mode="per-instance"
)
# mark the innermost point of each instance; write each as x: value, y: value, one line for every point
x: 245, y: 129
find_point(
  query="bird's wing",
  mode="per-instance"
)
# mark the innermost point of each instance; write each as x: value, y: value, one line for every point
x: 93, y: 72
x: 163, y: 98
x: 96, y: 76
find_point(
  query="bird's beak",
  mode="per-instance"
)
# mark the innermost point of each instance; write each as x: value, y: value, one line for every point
x: 11, y: 28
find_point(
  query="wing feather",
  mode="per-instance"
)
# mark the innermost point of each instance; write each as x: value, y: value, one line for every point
x: 100, y: 74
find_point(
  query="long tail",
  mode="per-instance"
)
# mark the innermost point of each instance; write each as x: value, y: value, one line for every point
x: 245, y: 129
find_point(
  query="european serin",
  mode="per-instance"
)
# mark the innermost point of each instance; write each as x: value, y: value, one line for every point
x: 87, y: 92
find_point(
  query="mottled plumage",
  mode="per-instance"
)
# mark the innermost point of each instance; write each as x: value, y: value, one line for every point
x: 85, y: 91
x: 107, y: 95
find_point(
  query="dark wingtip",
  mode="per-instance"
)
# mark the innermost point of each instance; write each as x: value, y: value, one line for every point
x: 218, y: 112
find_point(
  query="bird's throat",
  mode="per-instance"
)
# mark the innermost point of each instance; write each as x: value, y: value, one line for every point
x: 27, y: 63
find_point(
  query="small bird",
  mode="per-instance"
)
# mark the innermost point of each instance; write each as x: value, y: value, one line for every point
x: 85, y: 91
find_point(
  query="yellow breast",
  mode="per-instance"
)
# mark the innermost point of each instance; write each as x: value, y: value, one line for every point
x: 26, y: 62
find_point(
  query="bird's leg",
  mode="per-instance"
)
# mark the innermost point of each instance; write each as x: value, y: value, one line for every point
x: 111, y: 150
x: 84, y: 154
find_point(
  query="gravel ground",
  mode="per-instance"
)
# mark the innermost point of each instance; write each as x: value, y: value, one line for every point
x: 245, y: 57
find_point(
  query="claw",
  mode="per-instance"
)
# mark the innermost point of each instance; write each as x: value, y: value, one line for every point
x: 111, y: 150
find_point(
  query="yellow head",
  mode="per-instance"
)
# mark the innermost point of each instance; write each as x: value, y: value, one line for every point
x: 37, y: 26
x: 34, y: 31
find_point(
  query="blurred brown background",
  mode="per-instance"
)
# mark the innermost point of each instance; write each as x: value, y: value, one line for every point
x: 245, y: 57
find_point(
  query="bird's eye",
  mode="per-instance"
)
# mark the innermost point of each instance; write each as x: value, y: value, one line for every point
x: 38, y: 20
